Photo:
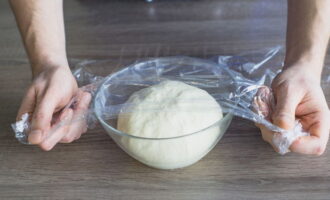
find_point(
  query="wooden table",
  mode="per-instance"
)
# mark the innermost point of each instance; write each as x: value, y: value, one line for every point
x: 241, y: 166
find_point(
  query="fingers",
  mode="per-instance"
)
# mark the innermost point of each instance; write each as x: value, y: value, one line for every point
x: 68, y: 127
x: 28, y: 103
x: 261, y: 107
x: 284, y: 114
x: 43, y: 114
x: 317, y: 142
x: 79, y: 124
x: 61, y: 126
x: 267, y: 135
x: 41, y: 119
x: 311, y: 145
x: 308, y: 145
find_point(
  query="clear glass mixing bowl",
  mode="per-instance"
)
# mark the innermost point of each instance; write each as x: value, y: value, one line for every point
x: 117, y: 88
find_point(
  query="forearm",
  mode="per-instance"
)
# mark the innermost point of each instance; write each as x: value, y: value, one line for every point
x: 308, y: 32
x: 42, y: 28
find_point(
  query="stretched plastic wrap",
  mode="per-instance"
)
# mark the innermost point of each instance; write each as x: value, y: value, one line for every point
x: 240, y: 84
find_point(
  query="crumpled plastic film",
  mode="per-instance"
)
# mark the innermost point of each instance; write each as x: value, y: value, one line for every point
x: 236, y: 82
x: 264, y: 106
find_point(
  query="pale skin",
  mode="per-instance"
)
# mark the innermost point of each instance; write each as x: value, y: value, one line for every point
x: 53, y: 85
x: 297, y: 89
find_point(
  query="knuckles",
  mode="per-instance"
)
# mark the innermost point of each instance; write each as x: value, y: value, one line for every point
x: 283, y: 87
x: 39, y: 116
x: 67, y: 139
x: 319, y: 150
x: 46, y: 146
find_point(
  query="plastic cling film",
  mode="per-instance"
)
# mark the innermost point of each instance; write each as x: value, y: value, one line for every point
x: 264, y: 106
x: 283, y: 141
x: 22, y: 127
x: 234, y: 82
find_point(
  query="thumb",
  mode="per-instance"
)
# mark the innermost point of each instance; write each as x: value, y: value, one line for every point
x: 27, y: 105
x: 41, y: 119
x: 285, y: 109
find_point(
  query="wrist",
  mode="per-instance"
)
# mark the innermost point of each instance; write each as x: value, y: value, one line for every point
x: 304, y: 70
x: 306, y: 59
x: 306, y: 63
x: 48, y: 63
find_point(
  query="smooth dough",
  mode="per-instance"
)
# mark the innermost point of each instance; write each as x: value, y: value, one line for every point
x: 170, y: 109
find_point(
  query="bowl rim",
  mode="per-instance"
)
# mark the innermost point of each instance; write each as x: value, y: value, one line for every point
x: 226, y: 116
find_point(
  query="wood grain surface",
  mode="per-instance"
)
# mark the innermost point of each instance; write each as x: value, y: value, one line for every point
x: 241, y: 166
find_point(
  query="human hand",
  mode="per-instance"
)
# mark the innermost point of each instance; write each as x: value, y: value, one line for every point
x: 298, y: 94
x: 46, y: 99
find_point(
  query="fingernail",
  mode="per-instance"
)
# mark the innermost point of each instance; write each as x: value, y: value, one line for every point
x: 66, y: 114
x: 35, y: 137
x: 86, y: 98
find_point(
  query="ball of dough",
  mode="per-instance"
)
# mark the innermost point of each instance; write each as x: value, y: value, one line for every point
x: 166, y: 110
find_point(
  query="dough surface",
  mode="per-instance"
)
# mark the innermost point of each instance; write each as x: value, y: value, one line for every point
x: 169, y: 109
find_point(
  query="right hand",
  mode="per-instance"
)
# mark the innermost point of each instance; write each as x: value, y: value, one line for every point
x: 51, y: 90
x: 299, y: 95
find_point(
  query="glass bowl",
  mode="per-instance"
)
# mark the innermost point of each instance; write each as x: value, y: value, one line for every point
x: 117, y: 88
